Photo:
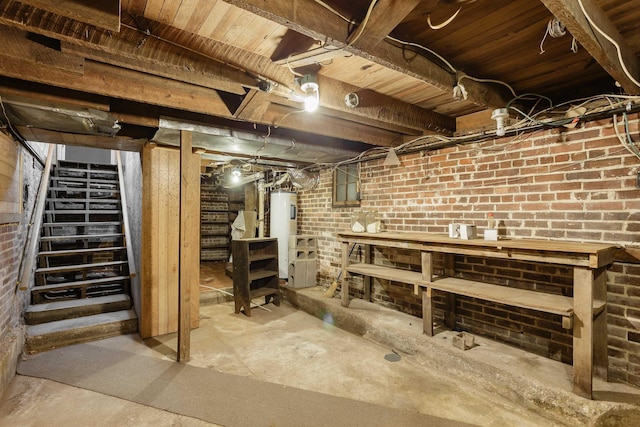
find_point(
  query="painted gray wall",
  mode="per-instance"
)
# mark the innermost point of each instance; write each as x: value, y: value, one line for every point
x: 132, y: 171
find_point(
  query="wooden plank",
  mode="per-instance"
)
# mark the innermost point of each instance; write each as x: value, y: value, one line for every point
x: 344, y: 288
x: 194, y: 239
x: 532, y: 300
x: 583, y: 339
x: 386, y: 15
x: 593, y: 255
x: 187, y: 218
x: 600, y: 351
x: 18, y: 46
x: 117, y: 82
x: 427, y: 312
x: 103, y: 14
x: 149, y: 248
x: 387, y: 273
x: 570, y: 13
x: 253, y: 106
x: 383, y: 108
x: 368, y: 280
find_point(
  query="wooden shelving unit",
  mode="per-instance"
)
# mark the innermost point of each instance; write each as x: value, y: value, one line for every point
x: 255, y: 272
x: 214, y: 220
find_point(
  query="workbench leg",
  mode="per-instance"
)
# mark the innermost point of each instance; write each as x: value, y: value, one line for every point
x: 450, y: 298
x: 367, y: 281
x: 344, y: 289
x: 450, y: 310
x: 427, y: 311
x: 600, y: 353
x: 583, y: 342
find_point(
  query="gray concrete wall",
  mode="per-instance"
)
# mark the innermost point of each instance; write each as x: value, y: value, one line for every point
x: 132, y: 170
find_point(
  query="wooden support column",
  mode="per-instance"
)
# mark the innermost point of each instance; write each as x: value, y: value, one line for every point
x: 583, y: 339
x: 187, y: 218
x: 367, y: 280
x: 344, y: 289
x: 427, y: 294
x: 450, y: 298
x: 600, y: 354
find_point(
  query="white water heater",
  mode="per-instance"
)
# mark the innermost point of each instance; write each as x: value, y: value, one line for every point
x: 283, y: 223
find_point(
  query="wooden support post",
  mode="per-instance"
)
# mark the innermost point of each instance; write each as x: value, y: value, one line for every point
x: 450, y: 299
x: 600, y: 354
x: 583, y: 284
x: 344, y: 289
x: 427, y: 311
x: 367, y: 280
x: 186, y: 220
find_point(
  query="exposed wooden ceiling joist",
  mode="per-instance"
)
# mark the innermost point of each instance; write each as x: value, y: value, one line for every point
x: 102, y: 14
x: 96, y: 141
x: 602, y: 50
x: 116, y: 82
x: 382, y: 108
x: 313, y: 20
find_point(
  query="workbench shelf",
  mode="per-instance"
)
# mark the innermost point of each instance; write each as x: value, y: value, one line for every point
x: 584, y: 313
x: 255, y: 272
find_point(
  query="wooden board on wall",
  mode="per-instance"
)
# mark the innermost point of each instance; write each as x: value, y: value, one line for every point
x: 160, y: 241
x: 10, y: 178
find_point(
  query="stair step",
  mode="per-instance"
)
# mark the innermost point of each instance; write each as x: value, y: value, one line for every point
x: 61, y: 333
x: 81, y: 211
x: 82, y: 224
x: 69, y: 252
x: 110, y: 169
x: 79, y: 237
x: 82, y: 180
x: 79, y: 189
x: 78, y: 267
x: 71, y: 309
x: 82, y: 200
x: 78, y: 284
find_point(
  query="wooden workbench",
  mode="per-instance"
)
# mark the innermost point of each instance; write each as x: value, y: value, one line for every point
x: 585, y: 313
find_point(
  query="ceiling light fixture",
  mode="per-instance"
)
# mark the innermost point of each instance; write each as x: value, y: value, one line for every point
x: 499, y: 115
x: 310, y: 88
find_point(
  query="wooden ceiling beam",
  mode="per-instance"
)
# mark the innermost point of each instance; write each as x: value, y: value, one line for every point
x: 102, y: 14
x: 385, y: 16
x: 205, y: 73
x: 602, y: 50
x: 313, y: 20
x: 96, y: 141
x: 16, y: 45
x: 382, y: 108
x: 316, y: 123
x: 253, y: 106
x: 116, y: 82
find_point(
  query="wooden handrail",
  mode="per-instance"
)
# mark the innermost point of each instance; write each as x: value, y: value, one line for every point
x: 125, y: 220
x: 33, y: 237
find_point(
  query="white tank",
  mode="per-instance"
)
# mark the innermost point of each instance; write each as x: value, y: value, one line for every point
x: 283, y: 223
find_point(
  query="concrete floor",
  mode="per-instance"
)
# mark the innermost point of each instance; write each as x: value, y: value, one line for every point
x: 290, y: 347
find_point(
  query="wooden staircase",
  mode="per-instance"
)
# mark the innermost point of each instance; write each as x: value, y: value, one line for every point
x: 82, y: 281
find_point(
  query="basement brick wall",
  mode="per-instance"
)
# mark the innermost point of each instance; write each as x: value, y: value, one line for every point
x: 577, y: 185
x: 13, y: 237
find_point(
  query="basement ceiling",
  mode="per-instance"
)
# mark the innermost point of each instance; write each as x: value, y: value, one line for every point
x: 416, y: 67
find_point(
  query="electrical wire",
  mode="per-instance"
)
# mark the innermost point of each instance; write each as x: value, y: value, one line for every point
x: 445, y: 23
x: 363, y: 24
x: 612, y: 41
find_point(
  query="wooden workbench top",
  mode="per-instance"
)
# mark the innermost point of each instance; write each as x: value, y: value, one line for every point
x: 592, y: 255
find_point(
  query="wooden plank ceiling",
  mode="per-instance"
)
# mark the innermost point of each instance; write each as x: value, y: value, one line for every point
x: 234, y: 64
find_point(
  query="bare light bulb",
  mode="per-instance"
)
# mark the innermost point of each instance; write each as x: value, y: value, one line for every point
x: 499, y: 115
x: 311, y: 93
x: 311, y: 99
